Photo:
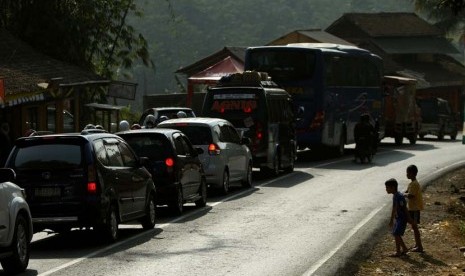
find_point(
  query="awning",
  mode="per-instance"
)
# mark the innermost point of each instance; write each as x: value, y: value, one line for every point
x: 20, y: 98
x: 415, y: 45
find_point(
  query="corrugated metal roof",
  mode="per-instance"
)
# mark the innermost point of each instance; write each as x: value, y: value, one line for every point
x: 415, y: 45
x: 237, y: 52
x: 392, y: 24
x: 324, y: 37
x: 23, y: 68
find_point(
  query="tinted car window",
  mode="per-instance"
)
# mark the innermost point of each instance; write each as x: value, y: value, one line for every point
x: 155, y: 147
x: 129, y: 159
x: 114, y: 156
x: 198, y: 135
x: 101, y: 153
x: 180, y: 147
x: 233, y: 135
x: 47, y: 156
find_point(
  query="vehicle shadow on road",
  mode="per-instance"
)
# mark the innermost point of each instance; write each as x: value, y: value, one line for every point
x: 78, y: 243
x: 379, y: 160
x: 293, y: 179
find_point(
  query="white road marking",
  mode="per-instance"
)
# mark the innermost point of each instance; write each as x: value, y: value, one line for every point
x: 349, y: 235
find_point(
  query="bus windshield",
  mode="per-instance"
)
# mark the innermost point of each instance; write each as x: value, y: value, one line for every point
x: 283, y: 65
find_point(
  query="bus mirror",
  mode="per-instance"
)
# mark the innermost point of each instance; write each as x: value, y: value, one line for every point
x: 300, y: 112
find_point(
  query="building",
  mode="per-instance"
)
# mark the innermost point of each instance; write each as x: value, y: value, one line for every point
x: 44, y: 94
x: 308, y: 36
x: 410, y: 47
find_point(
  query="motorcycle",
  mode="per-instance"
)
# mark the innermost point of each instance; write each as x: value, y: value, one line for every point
x: 364, y: 150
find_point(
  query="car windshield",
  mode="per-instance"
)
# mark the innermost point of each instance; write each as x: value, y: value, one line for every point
x: 56, y: 156
x: 155, y: 147
x: 198, y: 135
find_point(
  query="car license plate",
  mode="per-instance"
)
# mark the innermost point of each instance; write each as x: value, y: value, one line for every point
x: 48, y: 192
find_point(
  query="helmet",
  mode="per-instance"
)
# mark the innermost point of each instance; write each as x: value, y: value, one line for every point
x: 163, y: 118
x: 181, y: 114
x: 135, y: 126
x: 150, y: 121
x: 99, y: 127
x: 123, y: 125
x: 89, y: 126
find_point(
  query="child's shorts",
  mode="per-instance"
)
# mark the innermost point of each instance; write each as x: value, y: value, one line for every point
x: 415, y: 215
x: 399, y: 227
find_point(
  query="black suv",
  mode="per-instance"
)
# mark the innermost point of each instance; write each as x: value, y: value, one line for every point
x: 437, y: 118
x: 83, y: 180
x: 174, y: 164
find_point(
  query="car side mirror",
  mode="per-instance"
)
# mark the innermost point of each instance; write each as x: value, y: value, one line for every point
x: 7, y: 175
x: 246, y: 141
x: 144, y: 161
x: 199, y: 151
x: 299, y: 114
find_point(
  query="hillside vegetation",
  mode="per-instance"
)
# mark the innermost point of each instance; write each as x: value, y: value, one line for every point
x: 182, y: 32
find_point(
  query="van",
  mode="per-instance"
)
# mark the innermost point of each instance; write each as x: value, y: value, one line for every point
x: 92, y: 179
x: 259, y: 110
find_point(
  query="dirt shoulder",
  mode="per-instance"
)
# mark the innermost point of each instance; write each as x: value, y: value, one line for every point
x: 442, y: 230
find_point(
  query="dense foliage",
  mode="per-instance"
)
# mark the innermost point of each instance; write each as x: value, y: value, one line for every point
x: 93, y: 34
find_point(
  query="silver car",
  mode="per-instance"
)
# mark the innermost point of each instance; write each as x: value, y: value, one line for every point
x: 226, y: 157
x: 15, y: 225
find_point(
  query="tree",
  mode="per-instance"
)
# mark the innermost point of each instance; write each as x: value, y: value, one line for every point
x: 446, y: 14
x: 93, y: 34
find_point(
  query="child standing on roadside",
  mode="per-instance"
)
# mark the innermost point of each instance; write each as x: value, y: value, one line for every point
x: 414, y: 205
x: 399, y: 216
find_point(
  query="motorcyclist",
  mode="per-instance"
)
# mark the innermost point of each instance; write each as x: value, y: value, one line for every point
x: 364, y: 135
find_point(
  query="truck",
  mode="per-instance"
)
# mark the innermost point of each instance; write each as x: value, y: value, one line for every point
x: 402, y: 116
x: 438, y: 118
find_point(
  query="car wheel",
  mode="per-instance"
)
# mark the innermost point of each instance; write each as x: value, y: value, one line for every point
x: 202, y: 202
x: 413, y: 140
x: 20, y: 248
x: 109, y: 230
x: 177, y: 206
x: 441, y: 135
x: 148, y: 222
x: 225, y: 185
x: 398, y: 139
x: 247, y: 182
x: 453, y: 135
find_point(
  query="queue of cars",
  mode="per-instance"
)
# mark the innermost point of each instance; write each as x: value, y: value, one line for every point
x: 99, y: 180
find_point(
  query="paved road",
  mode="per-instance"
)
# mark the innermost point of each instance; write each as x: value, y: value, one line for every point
x: 308, y: 222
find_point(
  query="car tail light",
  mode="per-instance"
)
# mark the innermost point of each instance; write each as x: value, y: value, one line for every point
x: 91, y: 180
x: 91, y: 187
x: 169, y: 162
x: 318, y: 120
x: 213, y: 149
